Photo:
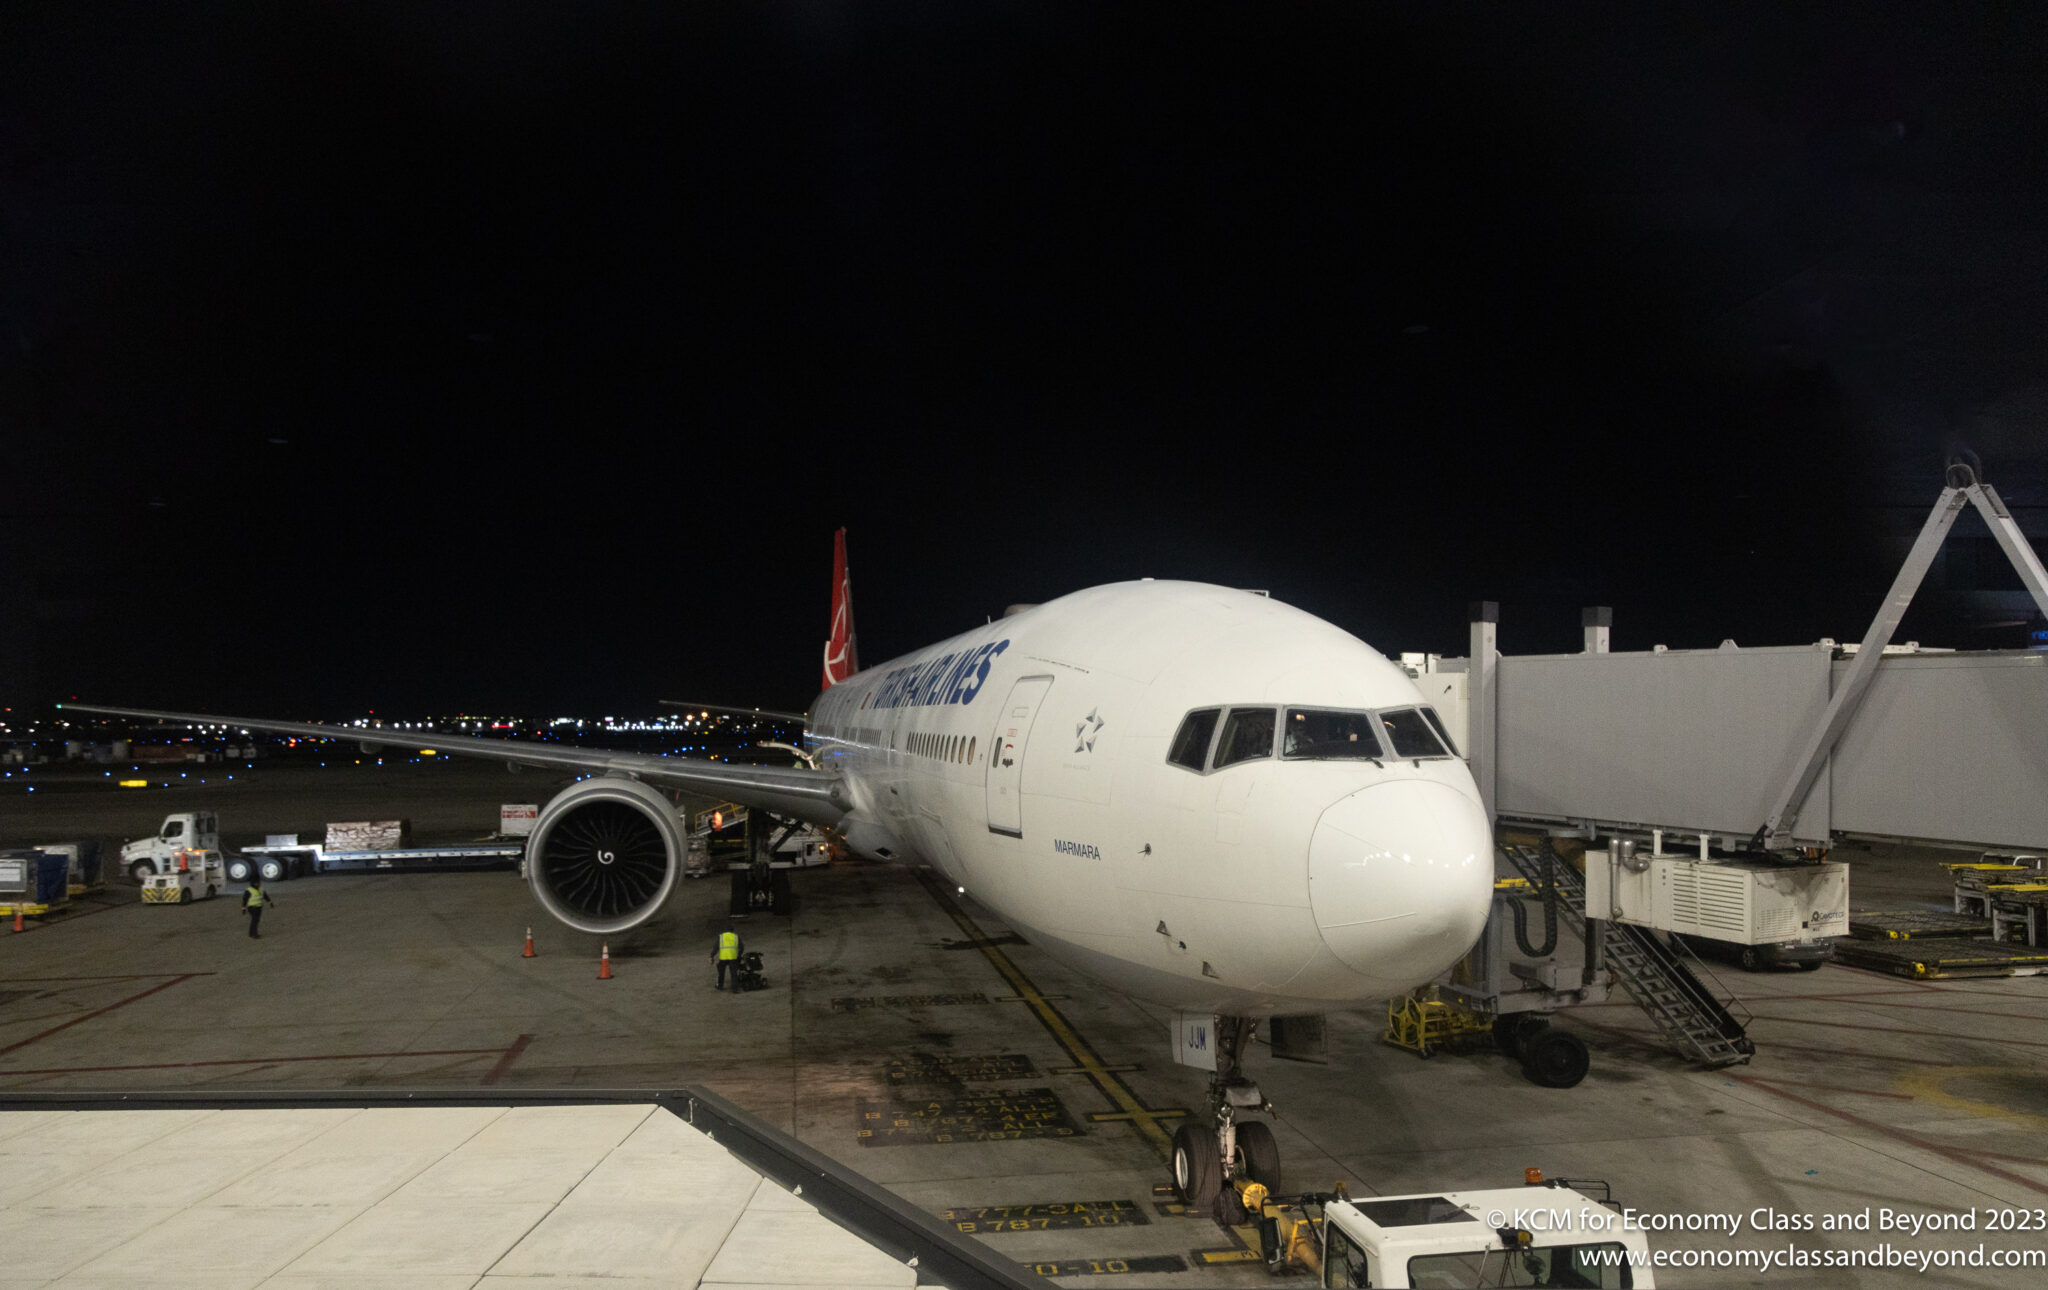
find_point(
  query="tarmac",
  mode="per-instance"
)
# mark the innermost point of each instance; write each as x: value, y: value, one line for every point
x: 916, y: 1039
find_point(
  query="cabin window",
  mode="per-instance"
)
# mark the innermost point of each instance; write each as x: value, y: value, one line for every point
x: 1344, y: 1263
x: 1247, y: 736
x: 1317, y: 734
x: 1409, y: 735
x: 1436, y: 723
x: 971, y: 741
x: 1191, y: 744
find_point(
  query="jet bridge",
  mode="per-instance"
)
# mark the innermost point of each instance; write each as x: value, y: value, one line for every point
x: 1782, y: 748
x: 1779, y: 750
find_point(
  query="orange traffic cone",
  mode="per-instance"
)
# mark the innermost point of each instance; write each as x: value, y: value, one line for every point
x: 18, y: 925
x: 184, y: 862
x: 604, y: 963
x: 529, y: 944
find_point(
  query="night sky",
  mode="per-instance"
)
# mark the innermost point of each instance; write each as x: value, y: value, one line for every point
x: 427, y: 356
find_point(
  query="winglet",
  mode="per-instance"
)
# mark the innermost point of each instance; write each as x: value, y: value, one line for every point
x: 842, y: 656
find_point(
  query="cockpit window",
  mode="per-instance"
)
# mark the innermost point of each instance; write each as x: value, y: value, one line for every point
x: 1191, y: 743
x: 1247, y: 736
x: 1410, y: 735
x: 1436, y: 723
x: 1324, y: 733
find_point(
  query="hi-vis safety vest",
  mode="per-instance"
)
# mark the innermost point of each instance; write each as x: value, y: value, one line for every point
x: 255, y: 898
x: 728, y: 945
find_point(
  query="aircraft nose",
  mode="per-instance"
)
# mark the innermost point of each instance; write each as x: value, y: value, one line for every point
x: 1401, y: 879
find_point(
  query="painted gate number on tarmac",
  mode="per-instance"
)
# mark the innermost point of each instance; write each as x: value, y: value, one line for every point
x: 986, y: 1220
x: 947, y: 1068
x: 1001, y: 1115
x: 1111, y: 1267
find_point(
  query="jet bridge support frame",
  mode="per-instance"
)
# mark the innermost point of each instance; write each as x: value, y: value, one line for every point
x: 1775, y: 748
x: 1963, y: 488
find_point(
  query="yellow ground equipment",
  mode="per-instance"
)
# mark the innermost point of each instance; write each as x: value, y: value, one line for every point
x: 1423, y: 1023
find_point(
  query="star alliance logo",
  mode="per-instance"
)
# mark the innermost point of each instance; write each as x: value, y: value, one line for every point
x: 1085, y: 732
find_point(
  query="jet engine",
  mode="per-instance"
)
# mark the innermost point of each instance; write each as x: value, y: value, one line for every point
x: 604, y: 854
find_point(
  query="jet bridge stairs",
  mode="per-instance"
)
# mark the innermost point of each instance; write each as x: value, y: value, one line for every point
x: 1696, y: 1023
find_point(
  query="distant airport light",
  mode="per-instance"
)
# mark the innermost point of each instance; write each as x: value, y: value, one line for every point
x: 135, y: 783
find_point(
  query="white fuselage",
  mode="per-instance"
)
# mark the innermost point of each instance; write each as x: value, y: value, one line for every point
x: 1027, y: 760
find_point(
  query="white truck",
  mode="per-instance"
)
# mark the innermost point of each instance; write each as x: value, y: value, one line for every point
x: 181, y: 831
x: 1543, y: 1234
x: 284, y: 856
x: 383, y: 844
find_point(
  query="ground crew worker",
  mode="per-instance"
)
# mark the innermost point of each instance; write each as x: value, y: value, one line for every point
x: 253, y: 902
x: 727, y: 956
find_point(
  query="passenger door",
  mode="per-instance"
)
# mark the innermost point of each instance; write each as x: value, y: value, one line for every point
x: 1006, y: 755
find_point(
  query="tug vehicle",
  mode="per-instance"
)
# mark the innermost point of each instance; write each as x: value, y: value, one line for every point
x: 198, y: 875
x: 1547, y: 1233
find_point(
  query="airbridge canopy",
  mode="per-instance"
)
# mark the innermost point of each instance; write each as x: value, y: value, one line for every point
x: 1946, y: 747
x: 1691, y: 739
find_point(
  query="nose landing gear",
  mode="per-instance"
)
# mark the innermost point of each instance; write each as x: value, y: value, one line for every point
x: 1213, y: 1162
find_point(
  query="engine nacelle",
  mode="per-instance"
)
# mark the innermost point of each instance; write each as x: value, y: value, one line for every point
x: 605, y: 854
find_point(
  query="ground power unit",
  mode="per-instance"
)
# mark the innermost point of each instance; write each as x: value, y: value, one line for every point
x: 1746, y: 902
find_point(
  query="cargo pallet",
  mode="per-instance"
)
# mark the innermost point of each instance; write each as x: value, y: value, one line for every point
x: 1933, y: 958
x: 2019, y: 912
x: 1906, y: 924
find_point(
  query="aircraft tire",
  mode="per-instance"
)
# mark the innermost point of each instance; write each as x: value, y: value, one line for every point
x: 1259, y: 1155
x: 1197, y: 1166
x: 1556, y: 1059
x: 1514, y: 1031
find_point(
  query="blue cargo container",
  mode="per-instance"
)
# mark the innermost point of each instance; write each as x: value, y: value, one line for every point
x: 53, y: 879
x: 84, y: 858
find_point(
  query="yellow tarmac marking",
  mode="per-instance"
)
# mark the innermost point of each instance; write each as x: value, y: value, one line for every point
x: 1229, y: 1256
x: 1146, y: 1120
x: 1928, y: 1087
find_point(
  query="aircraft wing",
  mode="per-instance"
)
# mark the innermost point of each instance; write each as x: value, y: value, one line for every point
x: 816, y: 796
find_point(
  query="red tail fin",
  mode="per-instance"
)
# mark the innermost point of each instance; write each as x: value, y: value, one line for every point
x: 842, y: 657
